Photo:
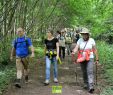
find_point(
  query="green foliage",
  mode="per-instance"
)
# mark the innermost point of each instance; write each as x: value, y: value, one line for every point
x: 105, y: 52
x: 6, y: 75
x: 39, y: 51
x: 109, y: 75
x: 95, y: 14
x: 107, y: 37
x: 5, y: 52
x: 107, y: 91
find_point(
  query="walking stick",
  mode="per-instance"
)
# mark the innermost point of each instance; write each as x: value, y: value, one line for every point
x: 96, y: 72
x: 75, y: 66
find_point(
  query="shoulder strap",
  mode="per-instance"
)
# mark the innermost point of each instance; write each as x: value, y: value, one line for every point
x: 85, y: 46
x: 16, y: 41
x: 26, y: 40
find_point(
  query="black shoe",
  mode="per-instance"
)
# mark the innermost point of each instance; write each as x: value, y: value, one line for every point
x: 18, y: 83
x: 46, y: 84
x: 26, y: 79
x: 91, y: 90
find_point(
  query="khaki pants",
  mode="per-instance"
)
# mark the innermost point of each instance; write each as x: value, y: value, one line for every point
x: 22, y: 66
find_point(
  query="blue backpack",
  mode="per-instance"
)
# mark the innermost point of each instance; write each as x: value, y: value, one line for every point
x: 22, y: 42
x: 16, y: 42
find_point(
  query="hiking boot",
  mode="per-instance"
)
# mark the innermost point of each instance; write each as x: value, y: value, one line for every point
x: 46, y: 82
x: 55, y: 80
x: 18, y: 83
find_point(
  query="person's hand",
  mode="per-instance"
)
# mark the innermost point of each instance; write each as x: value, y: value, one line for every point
x: 73, y: 53
x: 57, y: 57
x: 73, y: 57
x: 97, y: 62
x: 32, y: 55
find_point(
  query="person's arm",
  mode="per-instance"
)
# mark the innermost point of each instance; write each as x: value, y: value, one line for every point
x: 32, y: 51
x: 45, y: 50
x: 96, y: 53
x: 75, y: 49
x: 12, y: 53
x: 13, y: 50
x: 31, y: 47
x: 57, y: 47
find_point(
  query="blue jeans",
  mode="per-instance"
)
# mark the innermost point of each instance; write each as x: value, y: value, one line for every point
x: 48, y: 65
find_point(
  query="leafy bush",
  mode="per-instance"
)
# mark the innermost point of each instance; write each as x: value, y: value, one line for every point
x: 39, y: 51
x: 105, y: 52
x: 5, y: 52
x: 107, y: 91
x: 6, y: 74
x: 107, y: 36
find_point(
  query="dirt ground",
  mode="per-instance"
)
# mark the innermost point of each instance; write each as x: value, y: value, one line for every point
x: 71, y: 83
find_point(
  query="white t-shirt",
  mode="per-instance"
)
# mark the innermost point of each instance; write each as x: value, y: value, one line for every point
x: 89, y: 45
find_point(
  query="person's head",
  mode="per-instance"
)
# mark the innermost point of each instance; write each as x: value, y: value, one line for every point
x: 85, y: 34
x: 50, y: 33
x: 20, y: 32
x: 63, y: 32
x: 77, y: 31
x: 58, y: 32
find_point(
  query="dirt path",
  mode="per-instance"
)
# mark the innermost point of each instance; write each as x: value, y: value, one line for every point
x: 67, y: 79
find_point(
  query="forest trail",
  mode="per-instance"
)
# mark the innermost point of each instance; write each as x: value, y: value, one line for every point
x: 67, y: 79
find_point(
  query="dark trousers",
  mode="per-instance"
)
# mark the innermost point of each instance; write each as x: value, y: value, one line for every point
x: 62, y: 52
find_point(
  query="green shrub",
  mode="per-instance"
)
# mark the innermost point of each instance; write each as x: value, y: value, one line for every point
x: 6, y: 75
x: 105, y: 52
x: 107, y: 91
x: 39, y: 51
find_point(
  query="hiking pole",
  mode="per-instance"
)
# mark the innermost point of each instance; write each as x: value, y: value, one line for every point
x: 75, y: 66
x: 96, y: 72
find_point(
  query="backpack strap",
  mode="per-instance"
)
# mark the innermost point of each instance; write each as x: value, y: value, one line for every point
x: 16, y: 41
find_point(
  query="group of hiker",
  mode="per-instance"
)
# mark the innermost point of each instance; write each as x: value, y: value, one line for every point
x: 66, y: 39
x: 55, y: 48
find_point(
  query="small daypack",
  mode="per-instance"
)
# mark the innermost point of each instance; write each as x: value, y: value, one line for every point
x: 68, y: 39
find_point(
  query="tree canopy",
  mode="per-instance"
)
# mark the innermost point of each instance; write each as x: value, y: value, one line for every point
x: 35, y: 16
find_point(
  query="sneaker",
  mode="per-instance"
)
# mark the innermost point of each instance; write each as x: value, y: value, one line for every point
x: 46, y: 82
x: 55, y: 80
x: 18, y: 83
x: 91, y: 90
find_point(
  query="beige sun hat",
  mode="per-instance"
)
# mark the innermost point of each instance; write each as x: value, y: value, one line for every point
x: 84, y: 31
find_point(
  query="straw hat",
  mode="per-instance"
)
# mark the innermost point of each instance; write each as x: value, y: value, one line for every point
x: 84, y: 31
